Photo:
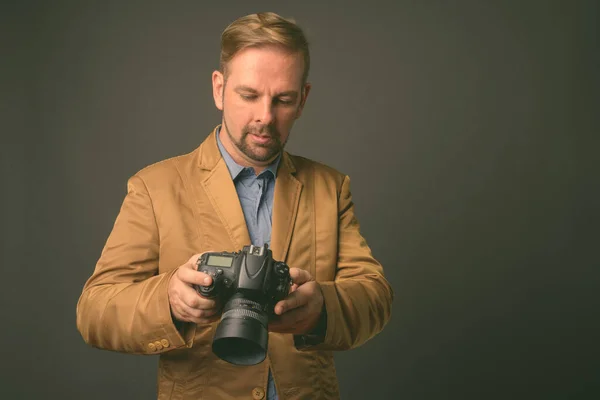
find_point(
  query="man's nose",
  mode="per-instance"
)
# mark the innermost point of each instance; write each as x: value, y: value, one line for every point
x: 264, y: 112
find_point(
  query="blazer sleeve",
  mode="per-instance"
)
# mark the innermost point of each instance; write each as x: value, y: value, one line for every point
x: 358, y: 301
x: 124, y: 305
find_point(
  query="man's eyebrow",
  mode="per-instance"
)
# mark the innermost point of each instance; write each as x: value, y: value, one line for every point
x: 248, y: 89
x: 291, y: 93
x: 242, y: 88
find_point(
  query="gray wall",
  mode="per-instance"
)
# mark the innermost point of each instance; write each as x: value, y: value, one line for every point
x: 469, y: 132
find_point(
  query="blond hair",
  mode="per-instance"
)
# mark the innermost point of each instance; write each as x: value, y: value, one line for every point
x: 263, y: 29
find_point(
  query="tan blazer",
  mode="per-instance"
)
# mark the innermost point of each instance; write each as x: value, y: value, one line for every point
x: 188, y: 204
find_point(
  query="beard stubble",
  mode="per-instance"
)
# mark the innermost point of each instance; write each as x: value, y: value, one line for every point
x: 273, y: 147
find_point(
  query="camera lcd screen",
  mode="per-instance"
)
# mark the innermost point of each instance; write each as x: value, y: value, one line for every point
x: 219, y: 261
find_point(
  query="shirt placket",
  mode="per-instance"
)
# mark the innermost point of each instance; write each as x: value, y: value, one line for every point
x: 260, y: 192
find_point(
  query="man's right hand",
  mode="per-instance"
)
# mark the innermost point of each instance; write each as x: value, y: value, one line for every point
x: 187, y: 305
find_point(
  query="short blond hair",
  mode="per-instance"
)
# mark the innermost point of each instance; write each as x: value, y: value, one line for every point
x: 263, y: 29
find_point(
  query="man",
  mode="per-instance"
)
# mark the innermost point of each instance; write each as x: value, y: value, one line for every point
x: 239, y: 188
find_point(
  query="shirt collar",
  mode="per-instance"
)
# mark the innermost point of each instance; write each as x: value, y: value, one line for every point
x: 235, y: 169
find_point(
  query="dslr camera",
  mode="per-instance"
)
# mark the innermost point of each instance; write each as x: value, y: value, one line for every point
x: 249, y: 283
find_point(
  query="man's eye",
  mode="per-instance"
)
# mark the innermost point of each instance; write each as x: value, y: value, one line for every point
x: 284, y: 101
x: 248, y: 97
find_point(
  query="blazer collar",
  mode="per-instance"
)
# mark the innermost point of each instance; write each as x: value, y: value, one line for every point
x: 208, y: 152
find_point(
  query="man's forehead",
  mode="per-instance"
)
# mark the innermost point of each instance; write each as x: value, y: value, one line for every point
x: 265, y: 51
x: 273, y: 61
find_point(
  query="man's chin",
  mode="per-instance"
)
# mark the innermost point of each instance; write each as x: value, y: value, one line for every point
x: 262, y: 153
x: 262, y: 156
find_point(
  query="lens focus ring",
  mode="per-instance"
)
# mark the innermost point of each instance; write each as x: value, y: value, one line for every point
x: 246, y: 313
x: 243, y: 303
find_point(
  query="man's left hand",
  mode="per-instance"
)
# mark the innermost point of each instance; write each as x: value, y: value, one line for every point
x: 299, y: 312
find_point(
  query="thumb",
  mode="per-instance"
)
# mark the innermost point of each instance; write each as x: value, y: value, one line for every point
x: 300, y: 276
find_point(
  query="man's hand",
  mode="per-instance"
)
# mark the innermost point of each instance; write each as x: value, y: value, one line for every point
x: 186, y: 304
x: 299, y: 312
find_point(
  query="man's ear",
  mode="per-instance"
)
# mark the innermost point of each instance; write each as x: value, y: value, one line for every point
x: 218, y: 85
x: 305, y: 91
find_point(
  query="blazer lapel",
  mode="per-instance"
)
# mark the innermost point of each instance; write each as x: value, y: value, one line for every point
x: 223, y: 196
x: 220, y: 189
x: 285, y: 208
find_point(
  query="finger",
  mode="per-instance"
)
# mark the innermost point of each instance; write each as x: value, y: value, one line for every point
x: 192, y: 299
x: 183, y: 312
x: 291, y: 322
x: 294, y: 300
x: 300, y: 276
x: 189, y: 318
x: 193, y: 277
x: 194, y: 313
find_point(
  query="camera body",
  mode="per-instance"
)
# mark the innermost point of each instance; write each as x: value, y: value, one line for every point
x: 249, y: 283
x: 251, y: 271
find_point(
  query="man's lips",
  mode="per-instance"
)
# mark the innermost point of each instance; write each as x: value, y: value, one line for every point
x: 261, y: 138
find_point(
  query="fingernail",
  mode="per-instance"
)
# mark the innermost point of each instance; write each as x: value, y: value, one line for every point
x: 207, y: 281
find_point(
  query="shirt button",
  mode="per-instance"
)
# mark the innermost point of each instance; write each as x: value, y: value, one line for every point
x: 165, y: 343
x: 158, y: 345
x: 258, y: 393
x: 151, y: 347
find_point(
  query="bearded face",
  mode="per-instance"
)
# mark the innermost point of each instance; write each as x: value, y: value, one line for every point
x: 261, y: 98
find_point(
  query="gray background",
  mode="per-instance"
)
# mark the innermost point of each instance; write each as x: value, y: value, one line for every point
x: 469, y: 132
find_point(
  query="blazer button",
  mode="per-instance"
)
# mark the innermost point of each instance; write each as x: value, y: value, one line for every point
x: 158, y: 345
x: 258, y: 393
x: 151, y: 347
x: 165, y: 343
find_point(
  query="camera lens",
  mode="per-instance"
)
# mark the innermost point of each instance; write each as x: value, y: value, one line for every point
x: 241, y: 336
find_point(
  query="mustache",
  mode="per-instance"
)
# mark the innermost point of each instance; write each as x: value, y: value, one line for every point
x: 261, y: 130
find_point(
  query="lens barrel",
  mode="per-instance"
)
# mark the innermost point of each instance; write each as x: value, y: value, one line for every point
x: 241, y: 337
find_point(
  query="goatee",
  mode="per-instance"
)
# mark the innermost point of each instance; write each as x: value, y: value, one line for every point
x: 266, y: 151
